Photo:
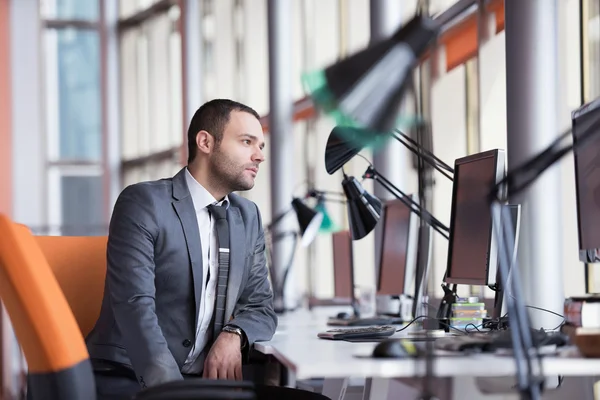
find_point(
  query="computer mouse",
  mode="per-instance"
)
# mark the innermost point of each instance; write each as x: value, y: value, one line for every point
x: 343, y: 315
x: 395, y: 348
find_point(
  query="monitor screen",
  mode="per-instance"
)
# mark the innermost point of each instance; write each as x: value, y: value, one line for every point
x: 587, y: 182
x: 397, y: 255
x: 472, y: 256
x: 343, y: 270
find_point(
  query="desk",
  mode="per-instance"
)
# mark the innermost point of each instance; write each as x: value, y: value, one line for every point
x: 297, y: 347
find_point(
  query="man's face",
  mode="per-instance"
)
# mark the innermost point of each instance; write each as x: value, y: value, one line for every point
x: 234, y: 162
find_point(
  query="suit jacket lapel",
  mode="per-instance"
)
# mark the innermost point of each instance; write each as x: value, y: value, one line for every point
x: 184, y: 206
x: 237, y: 257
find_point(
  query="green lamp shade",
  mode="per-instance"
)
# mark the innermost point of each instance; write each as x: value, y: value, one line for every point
x: 345, y: 142
x: 365, y: 90
x: 327, y: 225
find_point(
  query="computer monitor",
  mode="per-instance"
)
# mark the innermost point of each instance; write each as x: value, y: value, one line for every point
x: 398, y: 250
x: 587, y: 182
x: 472, y: 247
x: 343, y: 268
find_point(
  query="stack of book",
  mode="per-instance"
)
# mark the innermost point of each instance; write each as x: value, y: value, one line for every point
x: 467, y: 316
x: 582, y: 323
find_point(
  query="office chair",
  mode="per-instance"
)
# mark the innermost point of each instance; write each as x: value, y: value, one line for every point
x: 79, y: 265
x: 57, y: 358
x: 58, y: 361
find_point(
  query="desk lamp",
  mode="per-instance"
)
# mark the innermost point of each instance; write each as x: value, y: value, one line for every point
x: 309, y: 222
x: 366, y: 88
x: 346, y: 142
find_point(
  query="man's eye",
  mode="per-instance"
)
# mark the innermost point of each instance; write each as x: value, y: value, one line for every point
x: 246, y: 141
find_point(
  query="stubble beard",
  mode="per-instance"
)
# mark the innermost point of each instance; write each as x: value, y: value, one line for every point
x: 229, y: 175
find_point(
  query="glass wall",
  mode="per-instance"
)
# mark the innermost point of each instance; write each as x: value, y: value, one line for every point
x: 152, y: 128
x: 72, y: 48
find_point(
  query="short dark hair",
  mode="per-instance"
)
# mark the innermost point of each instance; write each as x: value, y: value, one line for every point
x: 212, y: 117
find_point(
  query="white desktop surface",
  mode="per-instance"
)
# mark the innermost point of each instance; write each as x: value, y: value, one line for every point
x: 298, y: 348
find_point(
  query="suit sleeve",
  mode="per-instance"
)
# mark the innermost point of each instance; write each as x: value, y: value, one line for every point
x: 254, y: 312
x: 130, y: 283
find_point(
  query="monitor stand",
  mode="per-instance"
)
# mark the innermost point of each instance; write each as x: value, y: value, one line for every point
x: 442, y: 318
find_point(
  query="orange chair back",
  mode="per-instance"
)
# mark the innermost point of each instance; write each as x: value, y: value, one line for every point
x: 79, y: 264
x: 41, y: 317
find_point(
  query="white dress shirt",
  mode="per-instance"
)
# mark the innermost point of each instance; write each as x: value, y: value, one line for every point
x: 208, y: 241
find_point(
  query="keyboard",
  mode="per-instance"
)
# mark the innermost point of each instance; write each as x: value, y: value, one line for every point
x: 367, y: 321
x: 358, y: 333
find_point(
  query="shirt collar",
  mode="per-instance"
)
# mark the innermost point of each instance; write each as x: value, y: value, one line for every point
x: 200, y: 196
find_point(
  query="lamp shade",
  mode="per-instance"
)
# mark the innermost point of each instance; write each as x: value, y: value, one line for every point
x: 345, y: 142
x: 327, y: 225
x: 364, y: 210
x: 366, y: 88
x: 309, y: 221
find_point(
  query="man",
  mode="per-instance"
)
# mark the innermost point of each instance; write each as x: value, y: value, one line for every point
x: 159, y: 311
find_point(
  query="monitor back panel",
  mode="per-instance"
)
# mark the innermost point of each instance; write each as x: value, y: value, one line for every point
x: 587, y: 181
x: 472, y: 252
x: 394, y: 249
x: 342, y: 264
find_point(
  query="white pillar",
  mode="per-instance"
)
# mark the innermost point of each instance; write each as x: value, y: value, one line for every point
x: 281, y: 126
x: 390, y: 161
x: 531, y: 94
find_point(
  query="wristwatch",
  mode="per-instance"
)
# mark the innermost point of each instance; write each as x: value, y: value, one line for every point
x: 238, y: 331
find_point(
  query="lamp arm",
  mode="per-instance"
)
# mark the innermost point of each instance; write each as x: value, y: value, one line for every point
x: 425, y: 154
x: 278, y: 218
x: 330, y: 200
x: 438, y: 226
x: 319, y: 193
x: 279, y: 284
x: 525, y: 174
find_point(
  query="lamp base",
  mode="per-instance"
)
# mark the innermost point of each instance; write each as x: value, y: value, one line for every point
x: 434, y: 324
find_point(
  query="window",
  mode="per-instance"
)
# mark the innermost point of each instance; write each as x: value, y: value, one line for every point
x: 82, y: 205
x: 74, y: 123
x: 73, y: 94
x: 70, y: 9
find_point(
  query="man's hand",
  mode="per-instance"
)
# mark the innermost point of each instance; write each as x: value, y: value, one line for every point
x: 224, y: 360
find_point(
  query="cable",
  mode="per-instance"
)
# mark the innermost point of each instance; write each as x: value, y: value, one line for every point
x: 426, y: 316
x: 365, y: 158
x: 548, y: 311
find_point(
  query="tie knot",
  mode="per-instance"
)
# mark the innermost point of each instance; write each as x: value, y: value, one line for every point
x: 217, y: 212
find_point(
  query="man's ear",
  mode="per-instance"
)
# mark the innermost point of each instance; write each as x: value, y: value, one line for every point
x: 204, y: 141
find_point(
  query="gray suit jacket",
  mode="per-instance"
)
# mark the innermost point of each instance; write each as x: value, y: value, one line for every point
x: 154, y: 280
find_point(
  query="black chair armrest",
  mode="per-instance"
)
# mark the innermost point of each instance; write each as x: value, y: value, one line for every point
x: 199, y: 389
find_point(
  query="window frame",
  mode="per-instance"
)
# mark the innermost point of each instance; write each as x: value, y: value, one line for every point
x: 57, y: 167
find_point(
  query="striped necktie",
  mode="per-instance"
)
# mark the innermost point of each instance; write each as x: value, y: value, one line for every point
x: 219, y: 213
